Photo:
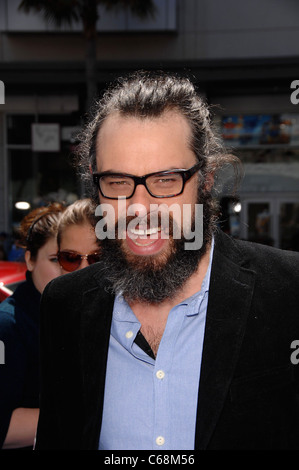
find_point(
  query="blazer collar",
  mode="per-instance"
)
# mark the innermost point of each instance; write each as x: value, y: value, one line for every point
x: 94, y: 342
x: 231, y: 289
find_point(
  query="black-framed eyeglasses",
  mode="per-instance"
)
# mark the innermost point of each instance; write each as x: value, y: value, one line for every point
x: 160, y: 184
x: 71, y: 260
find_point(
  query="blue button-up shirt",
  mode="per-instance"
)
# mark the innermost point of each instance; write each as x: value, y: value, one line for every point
x: 151, y: 403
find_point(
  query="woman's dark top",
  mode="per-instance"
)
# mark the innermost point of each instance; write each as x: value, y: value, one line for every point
x: 19, y: 375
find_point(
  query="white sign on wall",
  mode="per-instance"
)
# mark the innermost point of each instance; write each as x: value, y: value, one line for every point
x: 45, y: 137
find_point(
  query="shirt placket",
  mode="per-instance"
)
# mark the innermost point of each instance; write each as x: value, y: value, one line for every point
x: 161, y: 375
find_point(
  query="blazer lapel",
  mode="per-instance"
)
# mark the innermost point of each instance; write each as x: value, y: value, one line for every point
x: 230, y: 293
x: 95, y: 333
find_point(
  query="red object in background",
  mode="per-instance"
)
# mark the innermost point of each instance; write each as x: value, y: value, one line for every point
x: 11, y: 274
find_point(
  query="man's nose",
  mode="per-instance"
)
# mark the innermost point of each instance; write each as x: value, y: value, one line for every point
x: 140, y: 201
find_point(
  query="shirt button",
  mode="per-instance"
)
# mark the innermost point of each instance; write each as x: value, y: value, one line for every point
x: 129, y: 334
x: 160, y: 374
x: 160, y: 440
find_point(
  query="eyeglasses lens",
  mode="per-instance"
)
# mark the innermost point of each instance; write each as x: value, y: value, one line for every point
x: 116, y: 186
x: 71, y: 261
x: 165, y: 185
x: 94, y: 258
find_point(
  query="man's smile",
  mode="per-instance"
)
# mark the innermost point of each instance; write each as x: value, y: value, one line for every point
x: 145, y: 232
x: 144, y: 241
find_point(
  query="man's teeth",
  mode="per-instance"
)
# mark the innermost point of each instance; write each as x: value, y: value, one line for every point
x: 144, y: 232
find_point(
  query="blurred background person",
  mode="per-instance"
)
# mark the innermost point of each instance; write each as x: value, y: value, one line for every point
x: 77, y: 242
x: 19, y: 329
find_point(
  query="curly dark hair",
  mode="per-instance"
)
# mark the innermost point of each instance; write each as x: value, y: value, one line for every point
x: 148, y: 95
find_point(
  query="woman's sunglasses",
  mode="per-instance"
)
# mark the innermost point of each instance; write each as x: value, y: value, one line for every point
x: 70, y: 260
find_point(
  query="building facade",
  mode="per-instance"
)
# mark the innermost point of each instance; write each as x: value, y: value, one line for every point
x: 243, y: 56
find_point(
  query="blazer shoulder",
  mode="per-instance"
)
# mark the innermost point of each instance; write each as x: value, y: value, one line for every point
x: 263, y: 259
x: 271, y: 257
x: 70, y: 287
x: 276, y: 270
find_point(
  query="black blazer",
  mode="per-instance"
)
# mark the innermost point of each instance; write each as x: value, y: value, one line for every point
x: 248, y: 392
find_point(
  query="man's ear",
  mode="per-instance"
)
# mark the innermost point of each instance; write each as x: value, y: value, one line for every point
x: 90, y: 169
x: 29, y: 263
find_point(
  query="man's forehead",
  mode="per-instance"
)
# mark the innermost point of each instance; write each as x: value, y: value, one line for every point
x: 170, y: 117
x: 141, y: 146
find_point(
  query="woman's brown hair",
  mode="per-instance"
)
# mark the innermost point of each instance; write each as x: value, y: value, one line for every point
x: 39, y: 226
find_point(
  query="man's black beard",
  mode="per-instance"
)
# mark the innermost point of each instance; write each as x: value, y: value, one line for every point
x: 152, y: 280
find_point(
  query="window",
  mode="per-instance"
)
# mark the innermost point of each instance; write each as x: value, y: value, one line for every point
x: 39, y: 177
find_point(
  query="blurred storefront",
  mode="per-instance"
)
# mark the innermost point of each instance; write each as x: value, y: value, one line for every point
x: 242, y: 56
x: 38, y: 147
x: 266, y: 139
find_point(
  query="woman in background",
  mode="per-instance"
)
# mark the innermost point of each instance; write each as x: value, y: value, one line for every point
x: 19, y: 329
x: 77, y: 242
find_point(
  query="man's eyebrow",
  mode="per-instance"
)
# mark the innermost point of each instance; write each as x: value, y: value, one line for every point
x: 125, y: 173
x: 111, y: 171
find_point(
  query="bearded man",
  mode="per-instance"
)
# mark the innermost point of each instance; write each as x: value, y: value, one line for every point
x: 162, y: 345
